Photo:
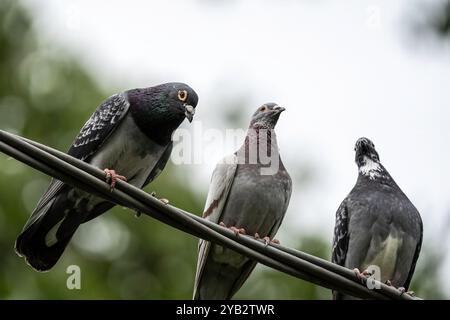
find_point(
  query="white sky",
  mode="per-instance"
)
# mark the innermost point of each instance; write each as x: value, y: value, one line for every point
x: 341, y: 69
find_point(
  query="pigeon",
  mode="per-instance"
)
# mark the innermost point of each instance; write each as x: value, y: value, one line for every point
x: 377, y: 226
x: 249, y: 194
x: 129, y: 133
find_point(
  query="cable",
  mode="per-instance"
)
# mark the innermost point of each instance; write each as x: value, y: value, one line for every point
x: 91, y: 179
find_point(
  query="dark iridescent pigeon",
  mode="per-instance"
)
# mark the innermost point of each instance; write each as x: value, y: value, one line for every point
x: 129, y: 132
x: 250, y: 195
x: 377, y: 225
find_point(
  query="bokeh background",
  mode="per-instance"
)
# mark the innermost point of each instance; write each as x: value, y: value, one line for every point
x: 342, y: 70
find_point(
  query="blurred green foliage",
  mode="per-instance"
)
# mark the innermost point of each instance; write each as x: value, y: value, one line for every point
x: 46, y: 95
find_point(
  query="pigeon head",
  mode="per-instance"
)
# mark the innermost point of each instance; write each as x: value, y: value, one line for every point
x: 367, y: 159
x: 159, y: 110
x: 365, y: 150
x: 181, y: 99
x: 266, y: 116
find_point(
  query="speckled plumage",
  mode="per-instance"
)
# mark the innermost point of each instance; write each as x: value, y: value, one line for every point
x: 241, y: 196
x: 130, y: 133
x: 377, y: 224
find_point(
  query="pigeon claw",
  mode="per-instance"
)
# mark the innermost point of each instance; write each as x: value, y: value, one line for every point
x: 357, y: 273
x: 362, y: 275
x: 112, y: 177
x: 402, y: 290
x: 411, y: 293
x: 267, y: 240
x: 256, y: 236
x: 238, y: 231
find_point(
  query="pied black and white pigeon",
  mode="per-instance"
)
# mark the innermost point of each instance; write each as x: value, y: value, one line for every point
x: 377, y: 226
x: 248, y: 194
x: 130, y: 132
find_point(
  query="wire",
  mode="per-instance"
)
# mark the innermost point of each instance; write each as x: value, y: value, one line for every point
x: 296, y: 263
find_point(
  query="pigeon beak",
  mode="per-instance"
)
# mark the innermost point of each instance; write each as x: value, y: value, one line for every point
x: 189, y: 112
x: 278, y: 109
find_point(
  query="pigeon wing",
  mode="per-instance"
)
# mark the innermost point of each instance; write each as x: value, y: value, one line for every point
x: 341, y: 236
x: 416, y: 256
x: 221, y: 181
x: 100, y: 126
x: 160, y: 165
x: 96, y: 131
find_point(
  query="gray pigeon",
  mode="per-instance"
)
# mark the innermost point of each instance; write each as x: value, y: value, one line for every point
x: 377, y: 225
x: 249, y: 193
x: 130, y: 133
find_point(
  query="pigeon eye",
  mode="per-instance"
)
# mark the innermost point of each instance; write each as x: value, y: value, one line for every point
x: 263, y: 108
x: 182, y: 95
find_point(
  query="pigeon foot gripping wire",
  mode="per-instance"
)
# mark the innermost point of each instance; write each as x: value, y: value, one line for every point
x: 266, y: 240
x: 112, y: 177
x: 402, y: 290
x: 362, y: 275
x: 237, y: 231
x: 409, y: 293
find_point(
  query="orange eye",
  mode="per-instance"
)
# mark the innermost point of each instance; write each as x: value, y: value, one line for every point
x: 182, y: 95
x: 263, y: 108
